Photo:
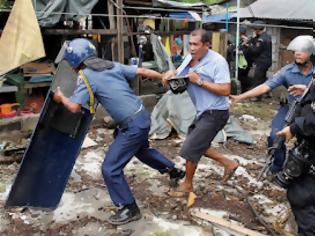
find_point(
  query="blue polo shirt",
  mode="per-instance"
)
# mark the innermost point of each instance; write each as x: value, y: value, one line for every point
x: 290, y: 75
x: 111, y: 89
x: 214, y: 69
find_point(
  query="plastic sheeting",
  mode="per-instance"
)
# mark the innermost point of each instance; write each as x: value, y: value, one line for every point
x: 161, y: 57
x: 177, y: 112
x: 48, y: 11
x: 168, y: 3
x: 21, y: 39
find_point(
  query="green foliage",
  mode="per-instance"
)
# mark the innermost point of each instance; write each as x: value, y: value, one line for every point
x: 5, y: 4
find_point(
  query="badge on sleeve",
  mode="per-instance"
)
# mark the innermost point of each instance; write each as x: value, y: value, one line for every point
x: 259, y: 42
x: 313, y: 106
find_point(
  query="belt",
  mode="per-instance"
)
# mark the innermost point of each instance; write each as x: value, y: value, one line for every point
x: 211, y: 111
x: 130, y: 118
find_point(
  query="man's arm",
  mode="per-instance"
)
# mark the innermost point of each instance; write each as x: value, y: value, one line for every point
x: 259, y: 90
x: 304, y: 126
x: 60, y: 98
x: 221, y: 89
x: 218, y: 89
x: 149, y: 73
x: 257, y: 48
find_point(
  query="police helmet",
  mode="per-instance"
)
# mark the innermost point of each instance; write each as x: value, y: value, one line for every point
x: 258, y: 25
x: 79, y: 50
x: 302, y: 43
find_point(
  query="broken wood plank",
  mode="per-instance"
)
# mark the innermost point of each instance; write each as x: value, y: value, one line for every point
x: 226, y: 224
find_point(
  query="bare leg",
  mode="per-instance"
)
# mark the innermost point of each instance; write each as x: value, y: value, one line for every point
x: 190, y: 172
x: 187, y: 185
x: 229, y: 165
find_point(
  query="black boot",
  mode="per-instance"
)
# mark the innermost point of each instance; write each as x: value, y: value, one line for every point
x: 175, y: 176
x: 125, y: 214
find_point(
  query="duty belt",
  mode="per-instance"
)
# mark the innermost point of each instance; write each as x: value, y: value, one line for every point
x: 130, y: 118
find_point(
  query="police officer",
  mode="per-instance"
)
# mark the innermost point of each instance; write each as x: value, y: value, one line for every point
x: 108, y: 82
x: 259, y: 48
x: 294, y: 77
x: 243, y: 72
x: 301, y: 188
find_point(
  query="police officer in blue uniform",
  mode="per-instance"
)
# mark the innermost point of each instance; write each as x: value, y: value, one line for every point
x: 108, y: 82
x: 298, y: 174
x: 295, y: 77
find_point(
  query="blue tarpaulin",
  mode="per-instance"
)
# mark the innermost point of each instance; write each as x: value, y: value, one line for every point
x: 181, y: 15
x: 218, y: 17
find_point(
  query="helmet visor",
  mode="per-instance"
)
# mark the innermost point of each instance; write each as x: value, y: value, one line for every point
x: 61, y: 53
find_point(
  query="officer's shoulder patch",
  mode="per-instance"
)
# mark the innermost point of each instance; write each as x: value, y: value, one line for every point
x: 313, y: 106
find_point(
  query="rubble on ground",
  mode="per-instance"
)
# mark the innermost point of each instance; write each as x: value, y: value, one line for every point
x: 85, y: 205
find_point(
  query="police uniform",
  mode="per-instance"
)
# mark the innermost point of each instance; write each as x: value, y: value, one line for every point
x: 289, y: 75
x: 301, y: 191
x: 260, y: 50
x: 110, y: 87
x: 245, y: 81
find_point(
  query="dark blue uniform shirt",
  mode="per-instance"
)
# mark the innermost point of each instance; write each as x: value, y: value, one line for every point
x: 111, y: 89
x: 289, y: 75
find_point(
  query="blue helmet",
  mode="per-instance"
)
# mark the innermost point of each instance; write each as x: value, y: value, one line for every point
x: 78, y: 50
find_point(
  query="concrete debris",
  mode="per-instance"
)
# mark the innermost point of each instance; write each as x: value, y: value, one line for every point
x: 86, y: 204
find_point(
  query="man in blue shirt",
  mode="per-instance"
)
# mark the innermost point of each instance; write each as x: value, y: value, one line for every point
x: 209, y: 88
x: 108, y: 82
x: 295, y: 77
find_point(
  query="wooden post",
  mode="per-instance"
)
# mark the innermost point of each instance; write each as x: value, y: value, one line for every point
x: 223, y: 43
x: 219, y: 42
x: 216, y: 41
x: 112, y: 26
x: 120, y: 31
x: 130, y: 33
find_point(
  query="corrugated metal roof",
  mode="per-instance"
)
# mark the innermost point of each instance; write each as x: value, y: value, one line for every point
x: 280, y: 9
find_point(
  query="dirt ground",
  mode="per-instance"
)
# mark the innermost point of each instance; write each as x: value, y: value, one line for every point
x: 86, y: 205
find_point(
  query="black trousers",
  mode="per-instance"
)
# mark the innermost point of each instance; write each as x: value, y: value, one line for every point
x: 245, y: 81
x: 301, y: 195
x: 260, y: 74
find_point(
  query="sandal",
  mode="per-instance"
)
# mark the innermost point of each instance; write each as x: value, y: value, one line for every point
x: 231, y: 172
x: 176, y: 192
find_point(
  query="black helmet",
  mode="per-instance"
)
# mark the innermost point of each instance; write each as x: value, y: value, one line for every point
x: 258, y: 25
